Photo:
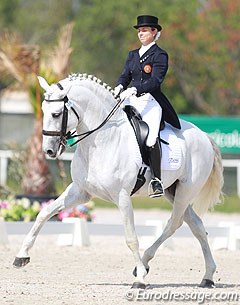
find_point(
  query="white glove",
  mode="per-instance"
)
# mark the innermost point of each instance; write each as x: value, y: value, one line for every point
x: 128, y: 92
x: 117, y: 90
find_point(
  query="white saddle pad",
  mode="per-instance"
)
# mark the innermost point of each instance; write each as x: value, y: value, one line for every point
x: 171, y: 154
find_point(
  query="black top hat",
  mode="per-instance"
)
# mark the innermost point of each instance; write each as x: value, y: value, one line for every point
x: 147, y: 20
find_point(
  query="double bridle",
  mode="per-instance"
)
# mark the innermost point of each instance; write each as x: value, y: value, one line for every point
x: 63, y: 134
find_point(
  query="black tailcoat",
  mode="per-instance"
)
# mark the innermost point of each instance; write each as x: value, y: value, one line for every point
x: 146, y: 74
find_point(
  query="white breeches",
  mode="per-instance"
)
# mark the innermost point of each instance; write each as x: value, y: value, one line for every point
x: 151, y: 113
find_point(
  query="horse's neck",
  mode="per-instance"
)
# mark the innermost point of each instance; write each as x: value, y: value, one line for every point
x: 113, y: 145
x: 95, y: 106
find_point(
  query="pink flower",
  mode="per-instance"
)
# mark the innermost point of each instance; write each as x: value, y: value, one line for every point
x: 46, y: 203
x: 64, y: 214
x: 4, y: 204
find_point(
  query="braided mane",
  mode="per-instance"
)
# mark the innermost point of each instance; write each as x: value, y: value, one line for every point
x: 93, y: 80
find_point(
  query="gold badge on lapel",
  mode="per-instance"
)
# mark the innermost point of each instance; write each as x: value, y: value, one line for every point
x: 147, y: 69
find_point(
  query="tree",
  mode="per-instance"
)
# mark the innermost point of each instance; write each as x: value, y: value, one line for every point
x: 202, y: 39
x: 205, y: 65
x: 8, y: 13
x: 23, y: 63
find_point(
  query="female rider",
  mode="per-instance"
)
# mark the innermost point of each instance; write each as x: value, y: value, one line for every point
x: 146, y: 68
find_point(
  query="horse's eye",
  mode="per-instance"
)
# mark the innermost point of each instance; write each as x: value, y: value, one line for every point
x: 56, y: 114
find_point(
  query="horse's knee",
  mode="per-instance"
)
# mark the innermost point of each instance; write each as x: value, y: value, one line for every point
x: 42, y: 215
x: 132, y: 244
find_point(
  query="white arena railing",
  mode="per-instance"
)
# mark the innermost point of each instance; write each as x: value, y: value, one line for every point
x: 77, y: 232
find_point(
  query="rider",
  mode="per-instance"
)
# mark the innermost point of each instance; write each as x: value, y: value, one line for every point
x: 146, y: 68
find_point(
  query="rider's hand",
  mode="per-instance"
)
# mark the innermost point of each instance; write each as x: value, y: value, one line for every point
x: 117, y: 90
x: 128, y: 92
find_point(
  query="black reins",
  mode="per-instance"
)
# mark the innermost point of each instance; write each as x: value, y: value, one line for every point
x: 64, y: 136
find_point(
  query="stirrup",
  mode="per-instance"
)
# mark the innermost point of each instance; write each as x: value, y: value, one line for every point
x: 158, y: 192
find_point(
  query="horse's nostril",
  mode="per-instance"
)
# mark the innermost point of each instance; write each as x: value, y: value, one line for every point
x: 50, y: 152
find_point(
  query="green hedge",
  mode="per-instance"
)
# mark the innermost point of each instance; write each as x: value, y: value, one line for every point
x: 230, y: 204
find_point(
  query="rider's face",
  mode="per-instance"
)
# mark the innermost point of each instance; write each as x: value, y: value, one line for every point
x: 146, y: 35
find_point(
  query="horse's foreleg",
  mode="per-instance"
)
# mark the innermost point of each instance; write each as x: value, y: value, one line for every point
x: 197, y: 228
x: 70, y: 197
x: 125, y: 207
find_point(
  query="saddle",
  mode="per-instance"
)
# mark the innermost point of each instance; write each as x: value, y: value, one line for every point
x: 141, y: 130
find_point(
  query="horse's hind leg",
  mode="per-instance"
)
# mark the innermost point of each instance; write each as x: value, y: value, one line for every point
x: 183, y: 195
x: 172, y: 225
x: 197, y: 228
x: 70, y: 197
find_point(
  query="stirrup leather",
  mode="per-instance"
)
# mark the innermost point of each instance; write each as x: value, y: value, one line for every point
x: 155, y: 193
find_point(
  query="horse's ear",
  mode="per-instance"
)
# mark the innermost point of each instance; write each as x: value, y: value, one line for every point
x: 43, y: 83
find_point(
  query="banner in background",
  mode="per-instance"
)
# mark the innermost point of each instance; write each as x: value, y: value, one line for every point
x: 224, y: 130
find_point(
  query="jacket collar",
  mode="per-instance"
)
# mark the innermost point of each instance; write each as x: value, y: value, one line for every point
x: 149, y: 51
x: 139, y: 60
x: 144, y: 49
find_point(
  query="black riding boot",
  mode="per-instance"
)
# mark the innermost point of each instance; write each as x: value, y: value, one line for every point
x: 155, y: 186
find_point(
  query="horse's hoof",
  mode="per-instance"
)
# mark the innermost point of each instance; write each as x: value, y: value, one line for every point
x: 207, y: 284
x: 138, y: 285
x: 20, y: 262
x: 135, y: 271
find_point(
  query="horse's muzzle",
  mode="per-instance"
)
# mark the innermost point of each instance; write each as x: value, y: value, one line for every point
x: 51, y: 153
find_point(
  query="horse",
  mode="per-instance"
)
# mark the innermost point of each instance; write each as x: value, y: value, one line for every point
x: 106, y: 163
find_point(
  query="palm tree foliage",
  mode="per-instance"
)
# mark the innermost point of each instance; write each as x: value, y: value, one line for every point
x: 23, y: 62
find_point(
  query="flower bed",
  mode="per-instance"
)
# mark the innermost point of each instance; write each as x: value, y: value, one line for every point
x: 81, y: 211
x: 12, y: 209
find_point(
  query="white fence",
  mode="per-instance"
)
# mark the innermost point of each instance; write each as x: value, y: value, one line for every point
x: 77, y: 232
x: 7, y: 154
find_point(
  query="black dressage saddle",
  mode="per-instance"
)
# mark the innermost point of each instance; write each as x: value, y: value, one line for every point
x: 141, y: 130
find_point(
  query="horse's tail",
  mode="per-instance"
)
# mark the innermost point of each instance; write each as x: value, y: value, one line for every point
x: 211, y: 193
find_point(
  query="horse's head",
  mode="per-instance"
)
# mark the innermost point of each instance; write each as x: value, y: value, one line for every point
x: 59, y: 117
